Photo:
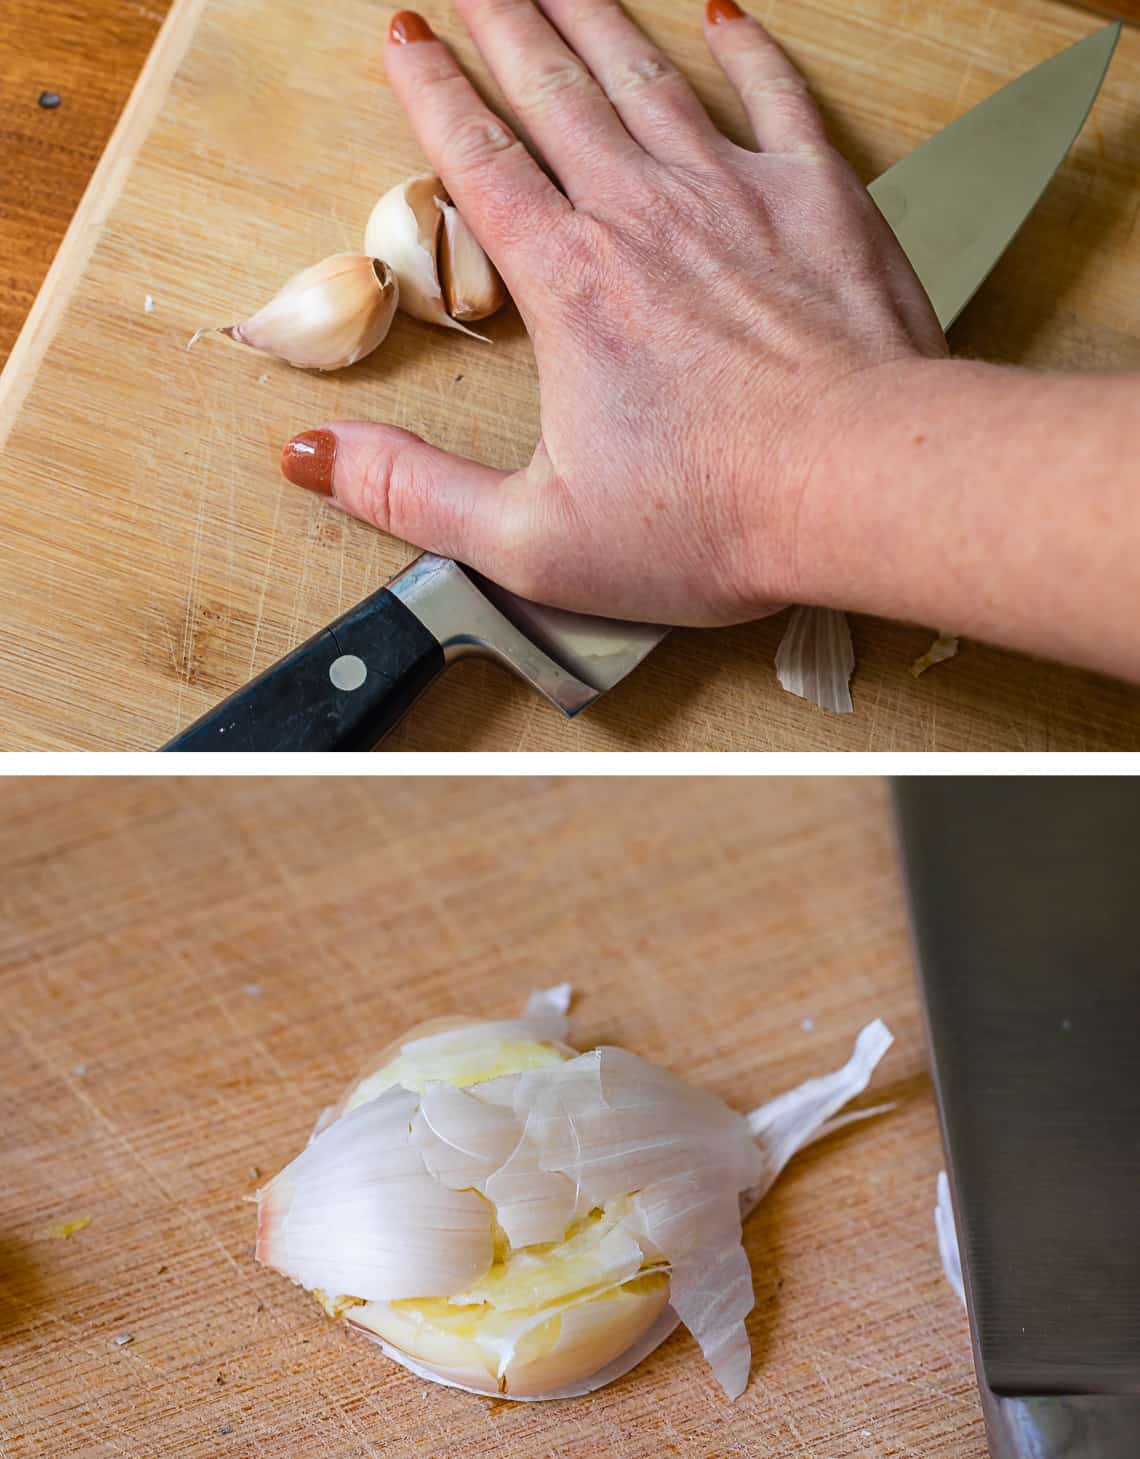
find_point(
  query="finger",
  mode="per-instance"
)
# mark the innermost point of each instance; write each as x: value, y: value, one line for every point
x: 784, y: 118
x: 562, y: 107
x: 653, y: 99
x: 499, y: 188
x: 393, y: 479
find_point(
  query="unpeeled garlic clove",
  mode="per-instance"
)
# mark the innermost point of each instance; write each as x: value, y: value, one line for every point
x: 404, y: 229
x: 326, y: 317
x: 472, y: 288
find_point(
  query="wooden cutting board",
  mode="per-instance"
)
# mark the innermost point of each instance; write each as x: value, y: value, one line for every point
x: 152, y: 559
x: 191, y: 969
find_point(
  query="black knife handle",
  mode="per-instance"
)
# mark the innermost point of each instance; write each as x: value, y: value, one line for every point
x: 343, y: 689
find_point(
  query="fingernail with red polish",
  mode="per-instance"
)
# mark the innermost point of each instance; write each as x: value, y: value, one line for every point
x: 721, y: 10
x: 307, y: 461
x: 407, y: 27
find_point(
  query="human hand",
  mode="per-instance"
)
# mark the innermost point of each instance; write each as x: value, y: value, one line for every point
x: 704, y: 318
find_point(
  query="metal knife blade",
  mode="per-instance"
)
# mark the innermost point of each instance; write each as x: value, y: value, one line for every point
x: 955, y: 204
x: 1023, y: 898
x: 957, y: 200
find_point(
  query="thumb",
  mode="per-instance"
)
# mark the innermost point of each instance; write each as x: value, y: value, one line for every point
x: 393, y: 479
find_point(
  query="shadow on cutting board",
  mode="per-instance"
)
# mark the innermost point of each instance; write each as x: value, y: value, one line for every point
x: 21, y: 1284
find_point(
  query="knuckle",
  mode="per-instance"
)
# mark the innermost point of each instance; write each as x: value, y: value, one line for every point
x: 782, y: 91
x: 475, y: 141
x: 437, y: 69
x: 786, y: 102
x: 633, y: 76
x: 375, y: 489
x: 550, y: 84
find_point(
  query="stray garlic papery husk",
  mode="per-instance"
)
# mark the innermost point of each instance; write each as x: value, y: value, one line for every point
x: 326, y: 317
x: 947, y: 1235
x: 508, y: 1217
x: 816, y: 658
x: 404, y: 230
x: 471, y: 285
x: 944, y: 647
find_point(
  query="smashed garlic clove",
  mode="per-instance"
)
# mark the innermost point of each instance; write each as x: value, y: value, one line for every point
x: 816, y: 658
x: 471, y: 285
x: 641, y: 1181
x: 326, y: 317
x: 404, y: 230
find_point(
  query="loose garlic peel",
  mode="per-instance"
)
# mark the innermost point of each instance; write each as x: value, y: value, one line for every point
x: 404, y: 230
x: 536, y: 1232
x: 326, y: 317
x: 816, y: 658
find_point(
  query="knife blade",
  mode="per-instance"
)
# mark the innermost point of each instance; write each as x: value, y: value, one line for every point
x: 954, y: 204
x: 1023, y: 907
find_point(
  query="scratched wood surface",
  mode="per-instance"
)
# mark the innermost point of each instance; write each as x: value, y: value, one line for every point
x: 151, y: 559
x: 89, y: 53
x: 191, y: 969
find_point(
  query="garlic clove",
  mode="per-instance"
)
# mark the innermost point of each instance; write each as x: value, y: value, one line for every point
x: 472, y: 288
x: 326, y: 317
x: 531, y: 1358
x: 404, y: 229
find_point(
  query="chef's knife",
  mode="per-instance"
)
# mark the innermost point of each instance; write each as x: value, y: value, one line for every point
x: 1023, y: 898
x: 954, y: 203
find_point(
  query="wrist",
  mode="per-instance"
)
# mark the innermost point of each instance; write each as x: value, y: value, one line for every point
x: 856, y: 517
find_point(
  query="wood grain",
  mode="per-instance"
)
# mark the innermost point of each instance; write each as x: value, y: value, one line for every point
x: 89, y: 53
x: 151, y: 558
x: 190, y: 969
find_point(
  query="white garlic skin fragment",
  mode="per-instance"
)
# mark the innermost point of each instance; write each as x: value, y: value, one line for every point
x: 326, y: 317
x: 357, y: 1212
x: 816, y: 658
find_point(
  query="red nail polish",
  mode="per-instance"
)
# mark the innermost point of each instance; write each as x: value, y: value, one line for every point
x: 407, y: 27
x: 307, y: 461
x: 718, y: 11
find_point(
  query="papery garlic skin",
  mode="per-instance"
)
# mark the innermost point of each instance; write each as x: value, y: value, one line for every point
x: 326, y: 317
x: 404, y: 230
x: 816, y: 658
x: 357, y: 1213
x: 947, y: 1233
x: 944, y: 647
x: 471, y: 285
x: 613, y: 1195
